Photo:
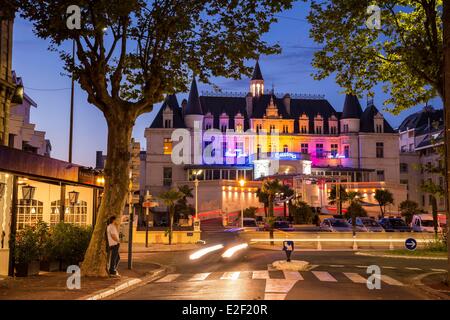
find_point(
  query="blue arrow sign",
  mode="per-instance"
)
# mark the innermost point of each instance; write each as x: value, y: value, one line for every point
x: 411, y: 244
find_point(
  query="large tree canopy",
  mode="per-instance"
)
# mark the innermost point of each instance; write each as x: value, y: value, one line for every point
x: 130, y: 53
x: 405, y: 54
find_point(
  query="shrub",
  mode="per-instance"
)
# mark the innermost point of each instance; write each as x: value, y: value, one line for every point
x: 69, y: 242
x: 355, y: 209
x: 408, y: 209
x: 250, y: 212
x: 436, y: 246
x: 27, y: 245
x: 302, y: 213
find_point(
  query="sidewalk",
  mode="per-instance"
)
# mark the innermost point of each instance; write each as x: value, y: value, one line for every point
x: 52, y: 285
x: 140, y: 247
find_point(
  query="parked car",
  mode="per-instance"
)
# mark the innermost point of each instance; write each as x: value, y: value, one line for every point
x: 250, y: 224
x: 424, y: 223
x: 280, y: 225
x: 394, y: 224
x: 335, y: 225
x: 365, y: 224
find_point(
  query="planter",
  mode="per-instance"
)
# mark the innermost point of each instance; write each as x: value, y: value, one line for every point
x: 50, y: 266
x: 27, y: 269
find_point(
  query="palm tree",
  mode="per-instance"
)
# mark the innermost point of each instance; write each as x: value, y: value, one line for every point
x: 170, y: 198
x: 354, y: 209
x: 383, y: 197
x: 435, y: 191
x: 287, y: 193
x: 182, y: 207
x: 271, y: 188
x: 262, y: 197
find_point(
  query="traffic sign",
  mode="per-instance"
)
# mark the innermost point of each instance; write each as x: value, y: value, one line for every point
x: 411, y: 244
x: 149, y: 204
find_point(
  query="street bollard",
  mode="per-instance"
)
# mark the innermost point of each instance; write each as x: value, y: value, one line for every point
x: 355, y: 244
x: 319, y: 244
x: 391, y: 245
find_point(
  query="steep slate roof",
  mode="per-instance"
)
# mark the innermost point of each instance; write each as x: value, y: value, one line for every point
x: 193, y: 104
x: 352, y: 108
x: 172, y: 102
x: 367, y: 121
x: 419, y: 120
x: 257, y: 74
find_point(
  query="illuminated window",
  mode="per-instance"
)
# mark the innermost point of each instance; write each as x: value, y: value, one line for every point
x: 285, y: 148
x: 285, y: 128
x: 319, y: 150
x: 347, y: 151
x: 304, y: 148
x: 272, y: 128
x: 167, y: 146
x: 334, y: 150
x: 29, y: 212
x: 380, y: 150
x: 167, y: 177
x: 345, y: 128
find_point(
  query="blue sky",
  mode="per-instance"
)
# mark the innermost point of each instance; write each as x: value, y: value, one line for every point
x: 42, y: 70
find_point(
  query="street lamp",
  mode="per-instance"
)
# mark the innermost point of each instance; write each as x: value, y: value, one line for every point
x: 196, y: 174
x: 242, y: 184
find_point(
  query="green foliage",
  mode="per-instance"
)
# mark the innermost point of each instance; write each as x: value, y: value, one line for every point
x: 170, y: 199
x: 405, y: 56
x: 343, y: 196
x: 68, y: 242
x: 182, y: 207
x: 436, y: 246
x: 302, y: 213
x: 271, y: 188
x: 250, y: 212
x: 408, y: 209
x: 27, y: 245
x: 384, y: 197
x: 355, y: 209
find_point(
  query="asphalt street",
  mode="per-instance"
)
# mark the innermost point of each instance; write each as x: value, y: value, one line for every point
x: 249, y: 276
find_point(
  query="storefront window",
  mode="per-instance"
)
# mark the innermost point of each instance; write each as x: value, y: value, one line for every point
x: 6, y: 182
x: 29, y: 213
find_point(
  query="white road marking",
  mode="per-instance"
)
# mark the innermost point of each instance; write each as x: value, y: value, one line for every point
x: 279, y: 285
x: 169, y: 277
x: 324, y: 276
x: 336, y: 266
x: 292, y: 275
x: 274, y: 296
x: 200, y: 276
x: 386, y: 267
x: 260, y: 274
x: 439, y: 270
x: 390, y: 281
x: 356, y: 278
x: 417, y: 269
x: 365, y: 267
x: 230, y: 275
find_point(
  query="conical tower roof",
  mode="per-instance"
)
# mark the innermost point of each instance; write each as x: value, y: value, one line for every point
x: 352, y: 107
x: 257, y: 75
x: 193, y: 104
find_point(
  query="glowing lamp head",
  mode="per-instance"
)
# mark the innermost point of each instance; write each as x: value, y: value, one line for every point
x: 242, y: 182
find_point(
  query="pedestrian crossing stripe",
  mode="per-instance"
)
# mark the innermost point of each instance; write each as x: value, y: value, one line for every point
x: 289, y: 277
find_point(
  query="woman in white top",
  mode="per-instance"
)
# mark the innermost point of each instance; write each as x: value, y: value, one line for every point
x: 113, y: 243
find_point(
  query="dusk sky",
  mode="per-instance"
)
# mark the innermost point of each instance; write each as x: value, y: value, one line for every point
x: 41, y: 71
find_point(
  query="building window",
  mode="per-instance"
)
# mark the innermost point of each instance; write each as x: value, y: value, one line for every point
x: 285, y: 148
x: 223, y: 128
x: 411, y: 147
x: 304, y: 148
x: 379, y: 128
x: 75, y: 214
x: 258, y: 151
x: 285, y: 128
x: 167, y: 146
x: 208, y: 126
x: 406, y: 183
x: 239, y: 127
x: 167, y: 176
x: 318, y: 129
x: 423, y: 200
x: 347, y: 151
x: 380, y: 175
x: 168, y: 123
x: 304, y: 129
x: 239, y: 148
x: 345, y: 128
x: 29, y: 213
x: 380, y: 150
x: 333, y: 130
x: 258, y: 128
x: 319, y: 150
x: 334, y: 150
x: 272, y: 128
x: 403, y: 167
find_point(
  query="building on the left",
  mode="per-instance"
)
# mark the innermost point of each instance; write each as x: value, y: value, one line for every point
x: 34, y: 186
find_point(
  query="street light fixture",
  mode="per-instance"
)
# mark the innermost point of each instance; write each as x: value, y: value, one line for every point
x: 196, y: 174
x: 28, y: 192
x: 242, y: 184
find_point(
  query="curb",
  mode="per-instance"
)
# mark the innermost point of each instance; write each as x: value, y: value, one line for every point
x: 399, y: 256
x: 128, y: 284
x: 417, y: 283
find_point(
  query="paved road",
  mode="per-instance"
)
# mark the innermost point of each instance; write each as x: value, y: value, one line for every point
x: 335, y: 275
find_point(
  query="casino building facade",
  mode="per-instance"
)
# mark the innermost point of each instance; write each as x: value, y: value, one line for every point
x: 301, y: 139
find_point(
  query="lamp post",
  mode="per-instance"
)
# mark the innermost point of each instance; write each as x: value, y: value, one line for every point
x: 196, y: 219
x: 130, y: 221
x: 242, y: 184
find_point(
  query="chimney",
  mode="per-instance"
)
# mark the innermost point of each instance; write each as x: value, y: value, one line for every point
x: 287, y: 103
x: 99, y: 163
x: 249, y: 105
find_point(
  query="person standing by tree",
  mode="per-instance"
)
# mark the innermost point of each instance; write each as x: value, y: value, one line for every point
x: 114, y: 244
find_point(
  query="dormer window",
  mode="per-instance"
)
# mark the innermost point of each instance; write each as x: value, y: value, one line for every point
x: 333, y: 124
x: 168, y: 123
x: 168, y: 117
x: 259, y: 127
x: 318, y: 124
x: 304, y: 124
x: 378, y: 123
x: 239, y: 122
x: 208, y: 121
x: 223, y: 122
x: 285, y: 128
x: 272, y: 128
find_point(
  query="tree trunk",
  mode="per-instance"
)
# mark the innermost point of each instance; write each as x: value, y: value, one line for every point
x: 434, y: 213
x: 271, y: 216
x: 284, y: 208
x: 171, y: 214
x: 446, y: 26
x: 115, y: 194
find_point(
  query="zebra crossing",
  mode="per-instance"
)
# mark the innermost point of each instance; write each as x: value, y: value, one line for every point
x: 277, y: 279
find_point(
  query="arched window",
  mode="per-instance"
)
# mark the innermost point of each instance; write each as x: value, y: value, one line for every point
x: 29, y: 212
